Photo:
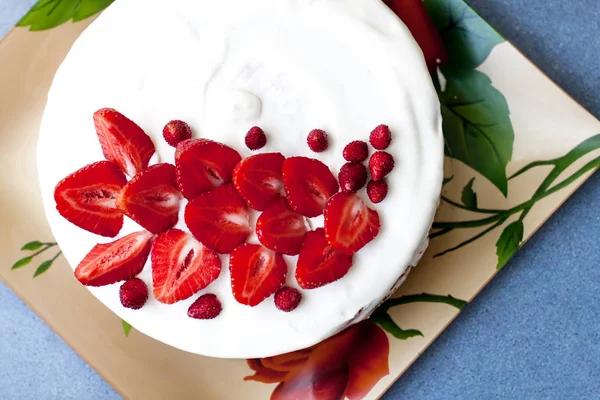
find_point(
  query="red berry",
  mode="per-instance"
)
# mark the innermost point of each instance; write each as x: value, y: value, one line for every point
x: 377, y: 191
x: 87, y: 198
x: 356, y: 151
x: 281, y: 229
x: 176, y: 131
x: 287, y: 299
x: 116, y: 261
x: 133, y: 293
x: 381, y: 164
x: 308, y: 184
x: 256, y: 138
x: 259, y: 179
x: 352, y: 177
x: 256, y: 273
x: 181, y: 266
x: 203, y: 165
x: 319, y: 264
x: 349, y: 223
x: 381, y: 137
x: 317, y: 140
x: 123, y: 142
x: 151, y: 198
x: 206, y: 306
x: 220, y: 219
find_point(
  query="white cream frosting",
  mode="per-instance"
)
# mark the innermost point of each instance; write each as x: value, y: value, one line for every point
x: 289, y: 66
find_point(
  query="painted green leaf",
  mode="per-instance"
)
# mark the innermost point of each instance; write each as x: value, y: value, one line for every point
x: 386, y: 322
x: 126, y: 327
x: 477, y: 126
x: 509, y: 242
x: 469, y: 197
x: 45, y: 266
x: 469, y: 40
x: 22, y: 262
x: 447, y: 180
x: 47, y: 14
x: 32, y: 246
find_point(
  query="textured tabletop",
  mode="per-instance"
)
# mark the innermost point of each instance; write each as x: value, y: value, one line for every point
x: 533, y: 333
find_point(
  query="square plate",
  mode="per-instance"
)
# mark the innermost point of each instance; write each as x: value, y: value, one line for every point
x: 504, y: 179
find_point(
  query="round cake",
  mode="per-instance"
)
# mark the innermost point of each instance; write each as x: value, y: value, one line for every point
x: 337, y: 69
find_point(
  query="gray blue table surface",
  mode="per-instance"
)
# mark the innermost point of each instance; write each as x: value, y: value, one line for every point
x: 533, y: 333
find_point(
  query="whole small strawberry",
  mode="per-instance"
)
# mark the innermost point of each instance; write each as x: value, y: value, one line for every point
x: 356, y: 151
x: 317, y: 140
x: 381, y: 137
x: 287, y: 299
x: 377, y: 191
x: 381, y: 164
x: 133, y: 293
x: 176, y: 131
x: 255, y: 138
x: 206, y: 306
x: 352, y: 177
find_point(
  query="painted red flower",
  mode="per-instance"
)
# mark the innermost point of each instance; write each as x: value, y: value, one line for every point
x: 346, y: 365
x: 414, y: 15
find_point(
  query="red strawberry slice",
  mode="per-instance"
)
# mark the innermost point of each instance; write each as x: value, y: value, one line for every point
x: 308, y: 184
x: 320, y: 264
x: 219, y: 219
x: 123, y: 141
x: 87, y: 198
x: 116, y: 261
x: 181, y: 266
x: 259, y: 179
x: 256, y: 273
x: 349, y: 223
x: 281, y: 229
x: 151, y: 198
x: 203, y: 165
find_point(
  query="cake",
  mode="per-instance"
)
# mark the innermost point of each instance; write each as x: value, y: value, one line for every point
x: 310, y: 74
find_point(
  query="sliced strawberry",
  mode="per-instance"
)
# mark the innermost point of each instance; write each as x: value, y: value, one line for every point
x: 87, y: 198
x: 151, y: 198
x: 259, y: 179
x: 123, y: 141
x: 181, y: 266
x: 349, y: 223
x: 219, y: 219
x: 308, y: 184
x: 116, y: 261
x: 320, y: 264
x: 256, y: 273
x: 281, y: 229
x: 203, y: 165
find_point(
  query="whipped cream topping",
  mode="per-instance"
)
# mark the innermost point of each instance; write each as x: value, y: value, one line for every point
x: 288, y: 66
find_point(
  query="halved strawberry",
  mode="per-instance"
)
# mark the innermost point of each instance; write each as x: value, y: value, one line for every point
x: 308, y: 184
x: 181, y: 266
x: 349, y: 223
x: 151, y: 198
x: 256, y: 273
x: 116, y: 261
x: 259, y: 179
x: 87, y: 198
x: 319, y: 263
x: 281, y: 229
x: 202, y: 165
x: 219, y: 219
x: 123, y: 141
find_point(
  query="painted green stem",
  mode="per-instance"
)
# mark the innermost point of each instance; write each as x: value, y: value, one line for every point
x: 474, y: 238
x: 540, y: 194
x: 421, y: 298
x: 477, y: 210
